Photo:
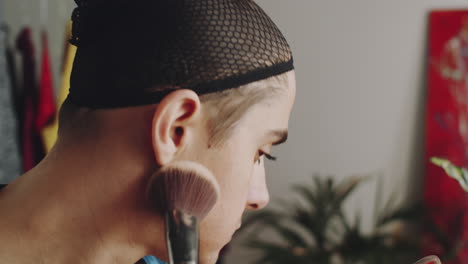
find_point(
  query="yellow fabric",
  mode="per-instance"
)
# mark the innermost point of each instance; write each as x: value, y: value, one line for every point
x: 49, y: 133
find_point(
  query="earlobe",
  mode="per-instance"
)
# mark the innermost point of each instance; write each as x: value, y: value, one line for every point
x: 173, y: 122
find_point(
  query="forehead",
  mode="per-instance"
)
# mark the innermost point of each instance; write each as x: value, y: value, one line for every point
x: 275, y: 114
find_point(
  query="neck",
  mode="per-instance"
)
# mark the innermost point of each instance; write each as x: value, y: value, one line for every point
x: 78, y: 206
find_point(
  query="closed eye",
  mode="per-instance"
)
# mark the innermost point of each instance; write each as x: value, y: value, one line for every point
x: 268, y: 156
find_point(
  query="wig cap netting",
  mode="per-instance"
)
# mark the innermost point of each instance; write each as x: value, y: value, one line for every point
x: 136, y: 52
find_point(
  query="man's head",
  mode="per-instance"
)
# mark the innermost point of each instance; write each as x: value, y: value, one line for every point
x: 228, y: 132
x: 136, y: 52
x: 214, y: 102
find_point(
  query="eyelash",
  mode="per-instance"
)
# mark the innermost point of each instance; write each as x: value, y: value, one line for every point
x: 268, y: 156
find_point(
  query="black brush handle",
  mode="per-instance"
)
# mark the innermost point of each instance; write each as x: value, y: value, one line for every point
x: 182, y: 238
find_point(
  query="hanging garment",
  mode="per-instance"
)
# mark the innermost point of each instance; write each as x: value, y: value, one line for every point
x: 10, y: 165
x: 17, y: 95
x: 46, y: 104
x: 32, y: 148
x: 12, y: 76
x: 49, y: 133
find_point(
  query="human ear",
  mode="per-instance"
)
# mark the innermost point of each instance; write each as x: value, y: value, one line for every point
x: 174, y: 123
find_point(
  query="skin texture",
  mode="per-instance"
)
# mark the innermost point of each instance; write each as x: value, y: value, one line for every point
x: 85, y: 202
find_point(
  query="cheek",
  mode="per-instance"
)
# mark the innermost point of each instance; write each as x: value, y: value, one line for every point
x: 233, y: 175
x: 233, y: 171
x: 234, y: 178
x: 232, y: 167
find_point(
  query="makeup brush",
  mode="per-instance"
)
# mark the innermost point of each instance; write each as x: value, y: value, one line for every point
x: 184, y: 192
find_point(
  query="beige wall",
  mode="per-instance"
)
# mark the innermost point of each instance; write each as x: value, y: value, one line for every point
x: 39, y: 14
x: 360, y: 104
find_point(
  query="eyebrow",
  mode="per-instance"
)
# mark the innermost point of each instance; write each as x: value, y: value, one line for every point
x: 282, y: 136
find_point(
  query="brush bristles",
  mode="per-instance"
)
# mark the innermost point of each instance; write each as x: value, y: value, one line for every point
x: 185, y: 186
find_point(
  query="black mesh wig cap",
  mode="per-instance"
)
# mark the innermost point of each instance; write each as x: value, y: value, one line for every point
x: 135, y: 52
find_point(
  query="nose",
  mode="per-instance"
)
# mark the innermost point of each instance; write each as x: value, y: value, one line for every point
x: 258, y: 196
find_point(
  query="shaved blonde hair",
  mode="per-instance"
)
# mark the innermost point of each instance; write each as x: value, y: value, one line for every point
x: 224, y: 109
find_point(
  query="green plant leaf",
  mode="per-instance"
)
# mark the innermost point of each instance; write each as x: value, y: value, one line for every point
x: 409, y: 213
x: 278, y: 254
x: 293, y: 237
x: 315, y: 230
x: 313, y: 223
x: 458, y: 173
x: 306, y: 193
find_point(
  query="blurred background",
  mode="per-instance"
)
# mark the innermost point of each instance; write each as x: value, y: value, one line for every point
x: 361, y: 98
